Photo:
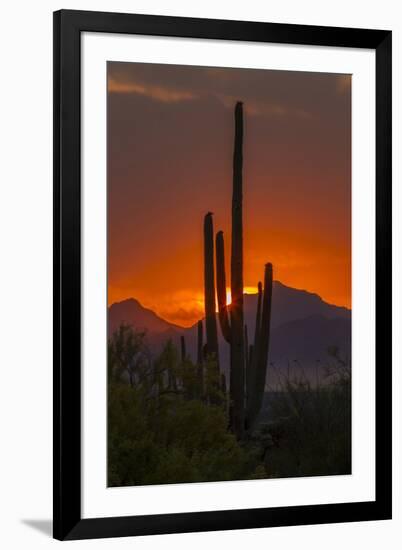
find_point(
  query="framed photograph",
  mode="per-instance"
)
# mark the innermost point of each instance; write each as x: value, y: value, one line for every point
x: 222, y: 275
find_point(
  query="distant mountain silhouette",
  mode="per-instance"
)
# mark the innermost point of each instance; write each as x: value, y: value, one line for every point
x: 290, y: 304
x: 307, y: 340
x: 132, y: 312
x: 303, y: 327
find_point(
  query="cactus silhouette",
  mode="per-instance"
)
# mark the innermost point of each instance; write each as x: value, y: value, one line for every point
x: 200, y: 358
x: 246, y: 352
x: 221, y: 287
x: 258, y: 362
x: 250, y: 372
x: 209, y: 289
x: 236, y: 282
x: 183, y: 348
x: 247, y: 362
x: 200, y: 344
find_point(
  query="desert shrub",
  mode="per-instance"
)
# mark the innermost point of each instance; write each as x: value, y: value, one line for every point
x: 166, y: 424
x: 310, y: 430
x: 172, y: 441
x: 163, y: 429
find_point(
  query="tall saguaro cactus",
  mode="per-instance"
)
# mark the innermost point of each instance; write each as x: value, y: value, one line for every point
x: 236, y: 281
x: 247, y: 363
x: 209, y: 288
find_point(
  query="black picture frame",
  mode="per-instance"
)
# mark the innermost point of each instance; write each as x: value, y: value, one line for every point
x: 68, y: 522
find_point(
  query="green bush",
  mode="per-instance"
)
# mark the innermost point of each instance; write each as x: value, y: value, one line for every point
x: 161, y: 427
x: 174, y: 441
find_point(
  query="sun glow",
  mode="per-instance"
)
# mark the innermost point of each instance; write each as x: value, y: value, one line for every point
x: 246, y: 290
x: 250, y: 290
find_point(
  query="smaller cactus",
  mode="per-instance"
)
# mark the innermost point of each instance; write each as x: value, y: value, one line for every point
x: 254, y: 350
x: 200, y: 358
x: 200, y: 345
x: 246, y: 358
x: 260, y: 353
x: 183, y: 348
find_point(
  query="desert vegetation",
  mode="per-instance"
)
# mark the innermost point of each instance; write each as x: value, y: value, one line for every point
x: 167, y: 424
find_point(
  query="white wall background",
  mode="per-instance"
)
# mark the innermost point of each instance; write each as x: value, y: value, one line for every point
x: 26, y: 270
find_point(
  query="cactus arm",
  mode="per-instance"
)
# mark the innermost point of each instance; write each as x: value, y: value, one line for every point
x: 265, y: 323
x: 254, y: 351
x: 261, y: 355
x: 258, y: 316
x: 209, y: 288
x: 221, y: 286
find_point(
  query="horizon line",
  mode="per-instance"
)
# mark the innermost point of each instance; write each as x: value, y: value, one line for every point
x: 175, y: 324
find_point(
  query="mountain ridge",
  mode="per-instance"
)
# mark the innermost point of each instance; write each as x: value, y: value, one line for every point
x: 145, y: 318
x: 284, y: 297
x: 303, y: 328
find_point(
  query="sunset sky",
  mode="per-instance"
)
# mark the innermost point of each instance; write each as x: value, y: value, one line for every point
x: 170, y: 146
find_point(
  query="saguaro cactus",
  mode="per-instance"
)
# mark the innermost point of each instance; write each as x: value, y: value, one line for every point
x: 247, y: 363
x: 233, y: 330
x: 209, y: 288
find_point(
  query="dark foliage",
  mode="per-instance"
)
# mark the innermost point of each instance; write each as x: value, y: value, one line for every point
x: 166, y: 427
x: 163, y: 427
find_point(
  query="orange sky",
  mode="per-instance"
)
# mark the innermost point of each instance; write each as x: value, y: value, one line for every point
x: 170, y: 140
